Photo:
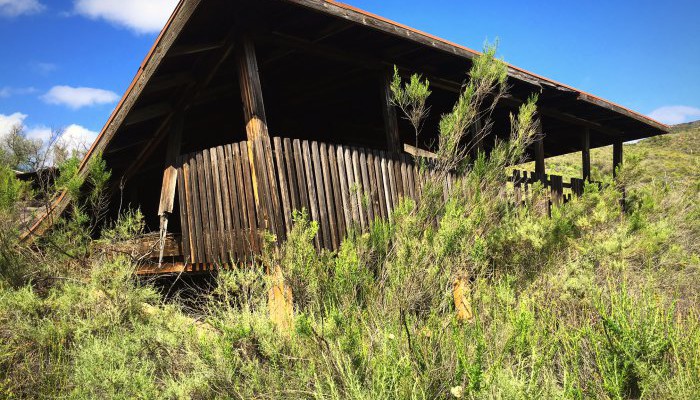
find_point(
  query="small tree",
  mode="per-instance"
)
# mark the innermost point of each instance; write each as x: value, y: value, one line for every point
x: 411, y: 99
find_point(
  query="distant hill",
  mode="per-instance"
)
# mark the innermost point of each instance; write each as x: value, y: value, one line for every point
x: 673, y: 157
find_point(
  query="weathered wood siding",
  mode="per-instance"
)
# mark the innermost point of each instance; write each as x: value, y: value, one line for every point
x: 343, y: 188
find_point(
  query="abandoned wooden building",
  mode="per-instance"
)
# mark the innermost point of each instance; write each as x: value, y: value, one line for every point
x: 245, y: 110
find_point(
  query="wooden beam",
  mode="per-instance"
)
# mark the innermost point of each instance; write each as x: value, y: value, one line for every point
x: 259, y: 146
x: 621, y: 110
x: 617, y: 156
x: 147, y: 113
x: 391, y: 123
x: 539, y: 154
x: 184, y: 50
x: 205, y: 72
x: 586, y: 154
x: 369, y: 62
x: 167, y: 193
x: 165, y: 82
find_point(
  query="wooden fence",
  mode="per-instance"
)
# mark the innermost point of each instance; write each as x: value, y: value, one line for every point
x: 560, y: 191
x: 223, y: 214
x: 344, y: 188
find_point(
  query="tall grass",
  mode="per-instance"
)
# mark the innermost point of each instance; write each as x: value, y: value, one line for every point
x: 588, y: 303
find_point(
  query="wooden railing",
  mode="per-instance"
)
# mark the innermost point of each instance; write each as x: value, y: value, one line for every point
x: 343, y: 188
x: 559, y: 190
x: 223, y: 213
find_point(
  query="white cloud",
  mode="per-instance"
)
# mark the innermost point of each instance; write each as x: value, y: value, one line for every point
x: 672, y: 115
x: 9, y: 121
x: 141, y: 16
x: 7, y: 91
x: 78, y: 97
x: 15, y: 8
x: 41, y: 132
x: 73, y: 137
x: 76, y: 137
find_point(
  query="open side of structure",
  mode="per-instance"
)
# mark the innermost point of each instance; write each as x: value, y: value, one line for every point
x: 246, y: 110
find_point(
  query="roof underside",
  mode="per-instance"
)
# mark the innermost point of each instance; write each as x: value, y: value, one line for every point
x: 191, y: 67
x: 319, y: 63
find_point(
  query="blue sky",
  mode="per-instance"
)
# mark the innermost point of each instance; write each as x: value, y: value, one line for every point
x: 66, y: 63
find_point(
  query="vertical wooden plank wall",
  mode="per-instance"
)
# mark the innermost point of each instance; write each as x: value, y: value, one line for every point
x: 343, y: 188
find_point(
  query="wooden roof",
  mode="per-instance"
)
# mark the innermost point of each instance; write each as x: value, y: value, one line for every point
x: 200, y: 35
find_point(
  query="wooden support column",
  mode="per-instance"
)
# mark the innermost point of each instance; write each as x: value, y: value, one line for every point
x: 167, y: 193
x: 539, y: 154
x: 586, y: 154
x: 391, y: 122
x: 259, y: 147
x: 617, y: 155
x: 262, y: 170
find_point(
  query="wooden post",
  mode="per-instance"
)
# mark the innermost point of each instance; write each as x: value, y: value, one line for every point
x: 264, y: 184
x: 259, y: 146
x: 167, y: 193
x: 586, y: 154
x: 539, y: 155
x: 391, y: 123
x: 617, y: 155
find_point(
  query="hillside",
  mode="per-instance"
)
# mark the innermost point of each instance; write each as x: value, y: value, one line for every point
x: 673, y: 157
x: 473, y: 298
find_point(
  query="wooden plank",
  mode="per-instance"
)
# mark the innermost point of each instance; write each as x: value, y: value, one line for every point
x: 330, y: 204
x: 404, y: 176
x: 234, y: 203
x: 418, y: 181
x: 372, y: 188
x: 344, y: 189
x: 357, y: 179
x: 397, y: 177
x: 198, y: 238
x: 301, y: 177
x: 284, y: 186
x: 204, y: 207
x: 218, y: 201
x: 311, y: 188
x: 334, y: 165
x: 323, y: 224
x: 408, y: 162
x: 380, y: 184
x: 352, y: 196
x: 366, y: 188
x: 229, y: 228
x: 392, y: 182
x: 273, y: 192
x: 295, y: 203
x: 167, y: 194
x: 253, y: 219
x: 386, y: 179
x: 211, y: 207
x: 244, y: 242
x: 184, y: 211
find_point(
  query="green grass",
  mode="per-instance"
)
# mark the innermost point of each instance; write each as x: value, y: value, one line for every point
x: 590, y: 303
x: 671, y: 157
